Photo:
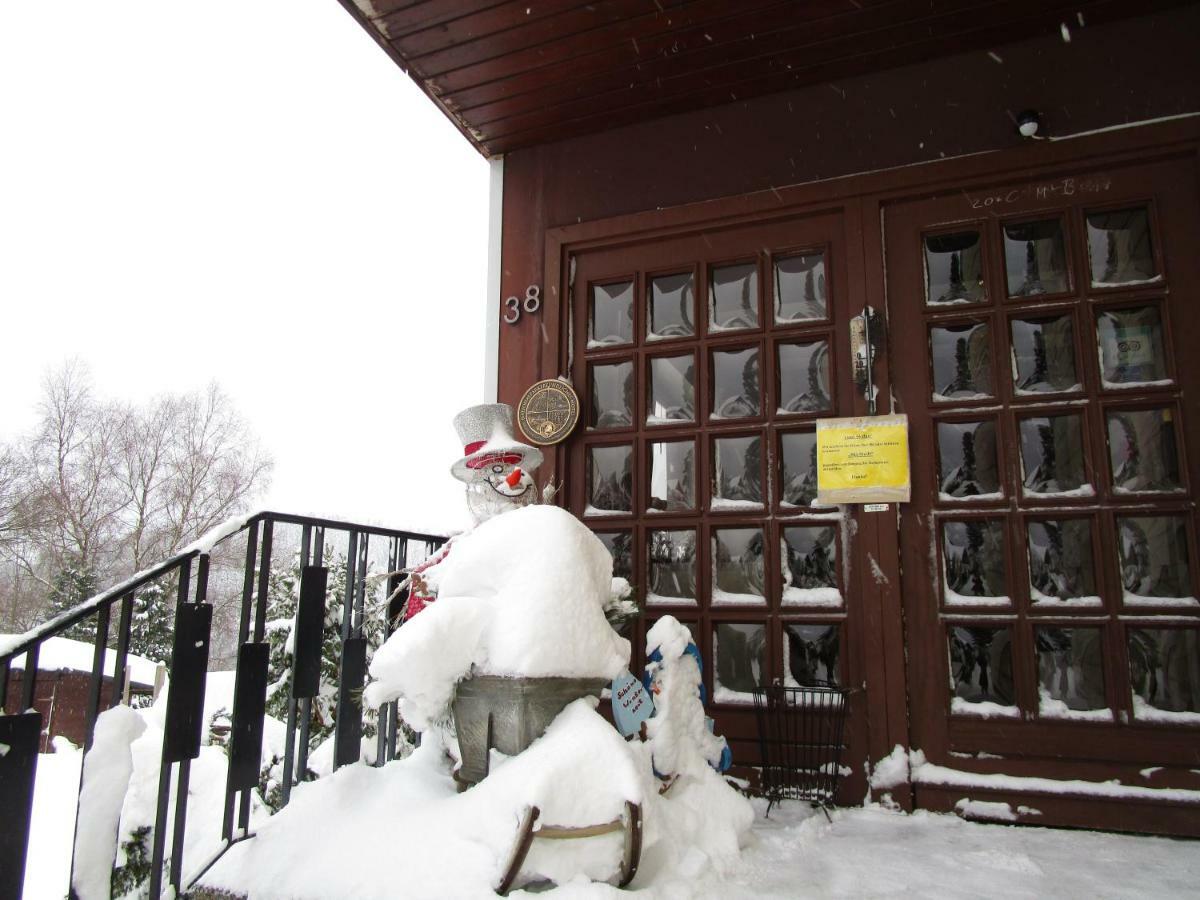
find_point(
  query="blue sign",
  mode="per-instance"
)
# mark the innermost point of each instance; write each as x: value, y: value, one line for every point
x: 631, y: 705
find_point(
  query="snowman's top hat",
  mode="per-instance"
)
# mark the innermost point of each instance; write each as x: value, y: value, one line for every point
x: 486, y: 432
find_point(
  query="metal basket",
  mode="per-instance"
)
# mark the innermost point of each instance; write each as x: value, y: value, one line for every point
x: 800, y: 737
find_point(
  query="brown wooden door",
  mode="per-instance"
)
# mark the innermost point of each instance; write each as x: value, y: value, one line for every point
x: 703, y: 360
x: 1041, y: 337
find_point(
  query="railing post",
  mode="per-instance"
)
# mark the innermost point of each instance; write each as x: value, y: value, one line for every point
x: 348, y: 725
x: 306, y: 653
x: 184, y: 723
x: 124, y: 627
x: 93, y: 699
x: 29, y: 678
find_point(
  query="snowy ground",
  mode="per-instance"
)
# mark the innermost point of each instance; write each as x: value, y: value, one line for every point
x: 864, y: 853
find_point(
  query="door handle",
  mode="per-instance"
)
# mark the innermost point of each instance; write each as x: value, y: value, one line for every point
x: 867, y: 334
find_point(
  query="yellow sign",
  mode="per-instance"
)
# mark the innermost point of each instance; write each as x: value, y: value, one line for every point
x: 863, y: 460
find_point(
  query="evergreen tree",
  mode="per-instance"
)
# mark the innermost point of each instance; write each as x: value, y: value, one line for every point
x: 283, y: 597
x: 152, y: 626
x: 73, y: 584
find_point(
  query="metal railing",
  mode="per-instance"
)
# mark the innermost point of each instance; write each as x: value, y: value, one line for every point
x: 189, y: 572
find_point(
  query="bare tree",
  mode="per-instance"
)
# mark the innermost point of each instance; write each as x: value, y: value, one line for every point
x: 215, y: 465
x: 71, y: 503
x: 102, y: 490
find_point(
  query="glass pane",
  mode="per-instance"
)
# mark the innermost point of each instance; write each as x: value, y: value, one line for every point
x: 737, y: 473
x: 733, y: 297
x: 798, y: 468
x: 735, y: 384
x: 1070, y: 670
x: 975, y: 563
x: 673, y: 475
x: 1043, y: 352
x: 612, y: 396
x: 800, y: 288
x: 1155, y: 562
x: 1035, y: 257
x: 610, y: 476
x: 1061, y: 570
x: 810, y: 565
x: 741, y: 661
x: 804, y: 377
x: 954, y: 268
x: 1121, y: 248
x: 1131, y: 346
x: 1141, y: 447
x: 981, y: 667
x: 620, y: 545
x: 672, y: 390
x: 737, y: 566
x: 1164, y: 669
x: 672, y: 567
x: 611, y: 320
x: 962, y: 361
x: 1052, y: 454
x: 967, y: 459
x: 812, y: 655
x: 672, y: 301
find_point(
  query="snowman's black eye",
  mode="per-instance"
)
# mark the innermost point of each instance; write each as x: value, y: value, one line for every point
x: 497, y: 469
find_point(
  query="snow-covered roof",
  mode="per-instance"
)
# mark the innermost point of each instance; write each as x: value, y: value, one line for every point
x: 59, y: 653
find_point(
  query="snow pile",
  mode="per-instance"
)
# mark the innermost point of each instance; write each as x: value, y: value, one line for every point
x: 53, y: 824
x: 891, y: 771
x: 580, y: 772
x: 118, y: 797
x: 522, y: 594
x: 106, y: 774
x: 678, y: 737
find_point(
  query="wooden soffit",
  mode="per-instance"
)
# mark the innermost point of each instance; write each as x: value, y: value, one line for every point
x: 517, y: 74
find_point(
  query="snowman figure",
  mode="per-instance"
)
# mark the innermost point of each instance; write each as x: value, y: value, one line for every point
x: 496, y: 469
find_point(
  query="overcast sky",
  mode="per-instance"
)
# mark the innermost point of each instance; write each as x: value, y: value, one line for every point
x: 248, y: 191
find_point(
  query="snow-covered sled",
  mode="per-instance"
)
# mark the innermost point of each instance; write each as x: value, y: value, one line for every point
x: 630, y: 824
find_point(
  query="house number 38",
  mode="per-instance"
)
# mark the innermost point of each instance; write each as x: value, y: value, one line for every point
x: 531, y: 304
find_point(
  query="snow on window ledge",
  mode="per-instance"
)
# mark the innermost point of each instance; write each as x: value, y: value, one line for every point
x: 1140, y: 600
x: 1144, y: 712
x: 1050, y: 708
x: 982, y: 709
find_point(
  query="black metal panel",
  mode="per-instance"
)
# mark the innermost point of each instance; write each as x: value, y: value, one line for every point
x: 349, y: 710
x: 21, y: 734
x: 249, y: 707
x: 310, y: 622
x: 185, y: 700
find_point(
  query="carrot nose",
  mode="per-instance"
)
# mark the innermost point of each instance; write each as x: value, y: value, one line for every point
x: 513, y: 477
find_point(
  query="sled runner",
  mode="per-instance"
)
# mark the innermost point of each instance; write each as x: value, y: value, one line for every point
x: 630, y: 824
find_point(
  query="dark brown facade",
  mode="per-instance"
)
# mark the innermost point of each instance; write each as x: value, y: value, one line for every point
x: 1028, y: 622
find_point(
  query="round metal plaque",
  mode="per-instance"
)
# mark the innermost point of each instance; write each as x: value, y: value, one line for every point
x: 549, y: 411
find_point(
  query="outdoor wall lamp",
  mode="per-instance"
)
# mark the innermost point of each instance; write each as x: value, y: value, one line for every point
x: 1029, y: 123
